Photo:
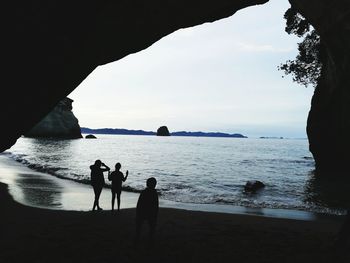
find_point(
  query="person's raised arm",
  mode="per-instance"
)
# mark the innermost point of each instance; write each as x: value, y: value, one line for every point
x: 126, y: 175
x: 106, y: 168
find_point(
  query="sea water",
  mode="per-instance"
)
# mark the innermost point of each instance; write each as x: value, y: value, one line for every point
x: 196, y: 170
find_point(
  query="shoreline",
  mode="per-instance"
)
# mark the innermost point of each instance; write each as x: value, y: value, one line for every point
x: 32, y: 234
x: 40, y: 235
x: 37, y: 189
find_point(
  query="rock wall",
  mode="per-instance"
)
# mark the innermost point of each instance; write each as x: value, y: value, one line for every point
x: 59, y: 123
x: 328, y: 125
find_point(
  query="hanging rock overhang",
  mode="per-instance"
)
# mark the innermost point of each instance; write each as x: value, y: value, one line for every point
x: 50, y: 47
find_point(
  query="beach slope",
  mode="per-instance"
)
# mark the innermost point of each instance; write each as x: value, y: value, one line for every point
x: 38, y: 235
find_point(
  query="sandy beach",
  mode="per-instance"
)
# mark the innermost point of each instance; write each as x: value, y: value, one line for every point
x: 30, y: 234
x: 39, y: 235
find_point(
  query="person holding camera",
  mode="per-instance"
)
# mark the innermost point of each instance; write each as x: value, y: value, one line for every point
x: 98, y: 181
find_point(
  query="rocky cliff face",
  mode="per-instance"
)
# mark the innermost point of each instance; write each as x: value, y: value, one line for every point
x: 59, y: 123
x: 328, y: 125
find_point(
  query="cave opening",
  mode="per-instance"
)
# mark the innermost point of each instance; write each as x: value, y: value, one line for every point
x: 192, y: 93
x: 217, y: 77
x: 197, y: 79
x: 226, y: 71
x: 193, y: 73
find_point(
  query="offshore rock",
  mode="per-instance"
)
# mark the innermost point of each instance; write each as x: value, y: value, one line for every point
x: 253, y: 186
x: 90, y: 136
x: 163, y: 131
x: 59, y: 123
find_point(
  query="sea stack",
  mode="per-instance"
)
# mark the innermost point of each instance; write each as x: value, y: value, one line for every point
x: 60, y: 123
x: 163, y: 131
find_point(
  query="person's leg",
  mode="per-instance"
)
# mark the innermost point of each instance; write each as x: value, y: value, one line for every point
x: 113, y: 200
x: 118, y: 199
x: 152, y: 222
x: 95, y: 199
x: 139, y: 222
x: 99, y: 190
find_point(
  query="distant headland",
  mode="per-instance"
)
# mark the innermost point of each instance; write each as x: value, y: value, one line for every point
x: 142, y: 132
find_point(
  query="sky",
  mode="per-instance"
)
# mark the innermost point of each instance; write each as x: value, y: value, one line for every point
x: 219, y: 76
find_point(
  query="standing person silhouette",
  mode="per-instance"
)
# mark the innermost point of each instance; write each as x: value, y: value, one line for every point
x: 97, y: 181
x: 117, y: 178
x: 147, y: 209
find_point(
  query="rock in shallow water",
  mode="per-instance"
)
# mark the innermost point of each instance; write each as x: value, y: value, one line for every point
x: 253, y: 186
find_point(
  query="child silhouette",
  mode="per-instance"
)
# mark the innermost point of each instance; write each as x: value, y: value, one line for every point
x: 147, y: 208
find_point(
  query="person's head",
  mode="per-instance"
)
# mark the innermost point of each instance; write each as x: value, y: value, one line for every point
x: 98, y: 163
x: 118, y: 166
x: 151, y: 182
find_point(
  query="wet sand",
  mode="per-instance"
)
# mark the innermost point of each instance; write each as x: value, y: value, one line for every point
x: 41, y: 190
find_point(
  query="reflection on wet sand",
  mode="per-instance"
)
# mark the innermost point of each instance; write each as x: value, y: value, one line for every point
x: 42, y: 190
x: 35, y: 189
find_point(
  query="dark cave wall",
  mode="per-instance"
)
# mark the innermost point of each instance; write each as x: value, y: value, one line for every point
x: 328, y: 122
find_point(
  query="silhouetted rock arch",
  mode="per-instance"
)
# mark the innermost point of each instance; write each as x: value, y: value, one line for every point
x: 52, y: 46
x: 47, y: 57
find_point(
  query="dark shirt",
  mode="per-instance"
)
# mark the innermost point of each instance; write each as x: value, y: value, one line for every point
x: 117, y: 178
x: 97, y: 178
x: 147, y: 205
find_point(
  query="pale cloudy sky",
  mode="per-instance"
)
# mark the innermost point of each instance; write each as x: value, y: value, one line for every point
x: 218, y: 76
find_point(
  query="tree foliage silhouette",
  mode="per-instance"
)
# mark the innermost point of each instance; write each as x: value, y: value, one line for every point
x: 306, y: 67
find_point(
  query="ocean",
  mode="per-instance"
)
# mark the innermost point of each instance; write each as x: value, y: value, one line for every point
x: 195, y: 170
